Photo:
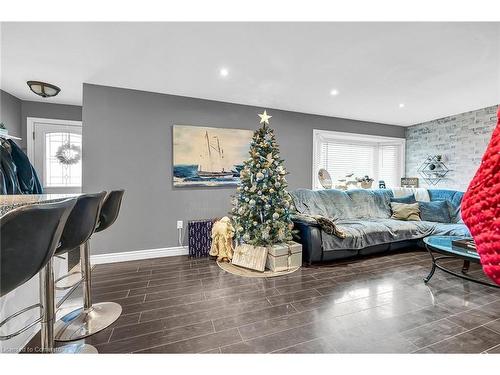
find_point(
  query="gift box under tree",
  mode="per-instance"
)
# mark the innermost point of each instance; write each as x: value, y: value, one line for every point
x: 284, y: 256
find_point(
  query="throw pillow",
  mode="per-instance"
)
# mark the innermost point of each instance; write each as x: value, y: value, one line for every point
x: 407, y: 199
x: 436, y: 211
x: 403, y: 211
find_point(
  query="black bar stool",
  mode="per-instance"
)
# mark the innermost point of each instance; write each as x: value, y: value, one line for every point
x: 78, y: 229
x: 91, y: 318
x: 29, y: 236
x: 110, y: 210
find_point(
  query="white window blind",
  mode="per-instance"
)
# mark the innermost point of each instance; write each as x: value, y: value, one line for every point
x: 390, y: 164
x: 342, y: 158
x: 381, y: 158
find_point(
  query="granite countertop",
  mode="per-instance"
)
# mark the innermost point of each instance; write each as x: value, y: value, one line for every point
x: 10, y: 202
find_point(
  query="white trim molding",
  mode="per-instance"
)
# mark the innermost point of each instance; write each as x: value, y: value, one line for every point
x: 138, y: 255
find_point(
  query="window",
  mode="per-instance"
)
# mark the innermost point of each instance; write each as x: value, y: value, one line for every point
x: 381, y: 158
x: 63, y: 165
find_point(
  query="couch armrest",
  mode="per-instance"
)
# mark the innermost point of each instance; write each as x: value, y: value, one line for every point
x: 304, y: 219
x: 309, y: 235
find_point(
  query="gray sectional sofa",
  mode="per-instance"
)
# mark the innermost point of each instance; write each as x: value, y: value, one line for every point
x: 365, y: 218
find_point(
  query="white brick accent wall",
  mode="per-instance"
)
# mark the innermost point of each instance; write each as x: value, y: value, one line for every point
x: 461, y: 139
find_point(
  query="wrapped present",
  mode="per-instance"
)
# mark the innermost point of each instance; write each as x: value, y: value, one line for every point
x: 252, y: 257
x: 284, y: 256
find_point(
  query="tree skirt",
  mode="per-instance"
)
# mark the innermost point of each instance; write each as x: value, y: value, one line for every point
x: 240, y: 271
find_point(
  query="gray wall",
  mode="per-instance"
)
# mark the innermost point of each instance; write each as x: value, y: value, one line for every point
x: 10, y: 114
x: 48, y: 110
x: 13, y: 112
x: 127, y: 138
x: 461, y: 139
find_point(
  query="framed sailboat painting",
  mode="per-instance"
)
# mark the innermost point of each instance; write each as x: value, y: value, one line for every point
x: 206, y: 156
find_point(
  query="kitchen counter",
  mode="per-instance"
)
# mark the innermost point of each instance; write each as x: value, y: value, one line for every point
x: 11, y: 202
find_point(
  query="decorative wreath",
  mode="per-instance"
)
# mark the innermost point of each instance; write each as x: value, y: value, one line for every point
x: 69, y: 154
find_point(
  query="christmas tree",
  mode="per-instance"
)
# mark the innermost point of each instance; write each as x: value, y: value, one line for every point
x: 261, y: 207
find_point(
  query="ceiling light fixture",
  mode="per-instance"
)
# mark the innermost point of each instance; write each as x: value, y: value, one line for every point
x: 334, y: 92
x: 401, y: 105
x: 224, y: 72
x: 45, y: 90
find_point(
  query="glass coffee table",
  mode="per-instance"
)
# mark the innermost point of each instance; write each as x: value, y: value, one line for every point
x: 442, y: 245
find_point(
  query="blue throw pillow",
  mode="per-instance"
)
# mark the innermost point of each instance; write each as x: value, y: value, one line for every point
x: 436, y: 211
x: 408, y: 199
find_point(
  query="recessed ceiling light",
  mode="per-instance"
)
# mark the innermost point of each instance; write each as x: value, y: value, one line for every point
x: 334, y: 92
x: 401, y: 105
x: 223, y: 72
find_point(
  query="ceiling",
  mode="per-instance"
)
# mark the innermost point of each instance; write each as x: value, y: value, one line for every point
x: 434, y: 69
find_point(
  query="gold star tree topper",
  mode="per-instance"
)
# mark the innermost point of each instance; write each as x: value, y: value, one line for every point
x: 264, y: 118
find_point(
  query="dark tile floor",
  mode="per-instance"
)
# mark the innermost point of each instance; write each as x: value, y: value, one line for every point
x: 372, y: 305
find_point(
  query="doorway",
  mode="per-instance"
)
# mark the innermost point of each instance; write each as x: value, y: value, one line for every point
x: 55, y: 149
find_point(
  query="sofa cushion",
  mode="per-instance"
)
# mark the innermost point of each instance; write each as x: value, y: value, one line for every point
x: 454, y: 199
x: 338, y: 204
x: 420, y: 194
x: 374, y: 204
x: 333, y: 204
x: 364, y: 233
x: 436, y: 211
x: 403, y: 211
x: 408, y: 199
x: 449, y: 229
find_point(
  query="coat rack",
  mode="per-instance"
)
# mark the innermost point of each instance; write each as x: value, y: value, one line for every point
x: 6, y: 136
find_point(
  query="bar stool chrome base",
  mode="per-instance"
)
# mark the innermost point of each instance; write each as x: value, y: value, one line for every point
x: 81, y: 323
x: 75, y: 349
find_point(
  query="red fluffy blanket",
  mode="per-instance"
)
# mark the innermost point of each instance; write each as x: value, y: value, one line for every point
x: 481, y: 207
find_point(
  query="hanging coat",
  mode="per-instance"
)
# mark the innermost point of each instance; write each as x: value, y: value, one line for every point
x: 3, y: 188
x: 26, y: 174
x: 9, y: 169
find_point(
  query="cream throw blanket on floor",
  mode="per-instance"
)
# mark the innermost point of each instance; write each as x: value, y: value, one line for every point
x: 421, y: 194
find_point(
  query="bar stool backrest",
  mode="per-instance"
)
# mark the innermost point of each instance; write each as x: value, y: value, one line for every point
x: 81, y: 222
x: 29, y: 236
x: 110, y: 209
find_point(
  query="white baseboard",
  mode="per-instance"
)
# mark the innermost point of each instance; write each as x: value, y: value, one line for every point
x: 138, y: 255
